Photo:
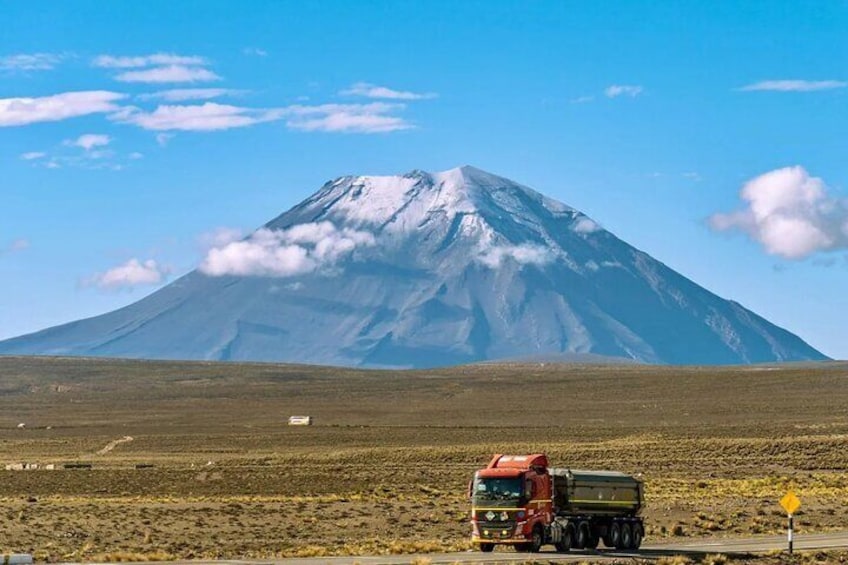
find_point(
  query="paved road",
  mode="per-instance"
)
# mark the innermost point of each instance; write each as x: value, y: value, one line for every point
x: 727, y: 546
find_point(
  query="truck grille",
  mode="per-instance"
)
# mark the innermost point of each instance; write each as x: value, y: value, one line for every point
x: 496, y: 529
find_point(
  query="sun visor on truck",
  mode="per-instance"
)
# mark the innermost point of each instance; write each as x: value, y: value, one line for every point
x: 519, y: 461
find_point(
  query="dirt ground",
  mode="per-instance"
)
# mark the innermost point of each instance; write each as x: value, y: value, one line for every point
x: 212, y: 469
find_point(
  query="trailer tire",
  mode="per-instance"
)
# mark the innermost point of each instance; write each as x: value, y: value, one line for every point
x: 638, y: 534
x: 487, y: 547
x: 626, y: 537
x: 613, y: 537
x: 582, y: 538
x: 567, y: 541
x: 593, y: 540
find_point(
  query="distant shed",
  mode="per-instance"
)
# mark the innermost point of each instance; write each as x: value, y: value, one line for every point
x: 300, y: 420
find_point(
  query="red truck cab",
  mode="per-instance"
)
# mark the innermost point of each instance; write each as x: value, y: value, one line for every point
x: 511, y: 502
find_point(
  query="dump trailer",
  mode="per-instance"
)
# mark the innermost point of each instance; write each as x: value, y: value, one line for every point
x: 519, y: 500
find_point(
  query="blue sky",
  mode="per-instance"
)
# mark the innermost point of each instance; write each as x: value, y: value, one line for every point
x: 711, y: 136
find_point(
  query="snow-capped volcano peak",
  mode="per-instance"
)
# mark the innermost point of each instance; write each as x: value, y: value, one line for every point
x: 409, y: 202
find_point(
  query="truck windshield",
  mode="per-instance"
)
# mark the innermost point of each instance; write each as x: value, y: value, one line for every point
x: 496, y: 489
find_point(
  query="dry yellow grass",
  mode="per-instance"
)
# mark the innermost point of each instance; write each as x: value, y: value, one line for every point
x: 385, y: 469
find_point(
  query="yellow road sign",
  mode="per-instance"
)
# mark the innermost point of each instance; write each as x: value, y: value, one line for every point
x: 790, y: 503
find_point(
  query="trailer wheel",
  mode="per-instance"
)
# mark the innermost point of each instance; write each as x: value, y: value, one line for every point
x: 582, y: 538
x: 593, y: 540
x: 536, y: 541
x: 626, y: 537
x: 567, y: 540
x: 613, y: 538
x: 638, y: 534
x: 487, y: 547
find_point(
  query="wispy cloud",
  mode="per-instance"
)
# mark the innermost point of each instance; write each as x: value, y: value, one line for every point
x: 494, y: 256
x: 33, y: 155
x: 129, y: 275
x: 219, y: 237
x: 89, y: 141
x: 170, y: 73
x: 616, y: 90
x: 790, y: 213
x: 30, y: 62
x: 585, y: 225
x: 23, y: 111
x: 794, y: 85
x: 203, y: 117
x: 156, y: 59
x: 582, y: 99
x: 302, y: 249
x: 347, y: 118
x: 15, y: 246
x: 374, y: 91
x: 255, y: 51
x: 185, y: 94
x: 163, y: 138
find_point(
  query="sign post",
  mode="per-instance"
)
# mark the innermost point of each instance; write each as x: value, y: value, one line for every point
x: 791, y: 504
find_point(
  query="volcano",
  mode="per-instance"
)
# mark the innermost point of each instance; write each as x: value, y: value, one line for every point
x: 425, y: 270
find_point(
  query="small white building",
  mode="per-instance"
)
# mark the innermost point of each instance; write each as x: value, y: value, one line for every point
x: 300, y: 420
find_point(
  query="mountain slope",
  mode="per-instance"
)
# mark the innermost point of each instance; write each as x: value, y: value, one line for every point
x: 425, y: 270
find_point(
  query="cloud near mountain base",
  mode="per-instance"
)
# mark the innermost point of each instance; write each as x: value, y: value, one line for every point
x: 299, y: 250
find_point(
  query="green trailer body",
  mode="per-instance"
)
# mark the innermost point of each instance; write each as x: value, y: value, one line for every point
x: 595, y: 493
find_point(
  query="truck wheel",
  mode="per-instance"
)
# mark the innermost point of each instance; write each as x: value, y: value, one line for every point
x: 582, y: 535
x: 613, y: 539
x: 487, y: 547
x: 638, y: 534
x: 536, y: 541
x: 593, y: 540
x: 626, y: 536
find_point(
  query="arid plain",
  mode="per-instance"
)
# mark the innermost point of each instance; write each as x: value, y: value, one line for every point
x: 195, y: 460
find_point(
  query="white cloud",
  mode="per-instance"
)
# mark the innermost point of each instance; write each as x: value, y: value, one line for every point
x: 693, y: 176
x: 617, y: 90
x: 89, y: 141
x: 157, y: 59
x: 163, y: 138
x: 794, y: 85
x: 585, y: 225
x: 15, y: 246
x: 219, y: 237
x: 203, y: 117
x: 24, y: 111
x: 493, y: 256
x: 582, y: 99
x: 184, y: 94
x: 255, y: 51
x: 33, y: 155
x: 131, y: 274
x: 135, y: 156
x: 302, y: 249
x: 790, y: 213
x: 30, y: 62
x: 170, y: 73
x: 373, y: 91
x: 346, y: 118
